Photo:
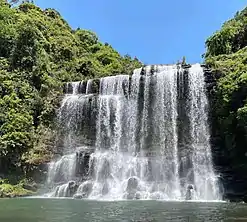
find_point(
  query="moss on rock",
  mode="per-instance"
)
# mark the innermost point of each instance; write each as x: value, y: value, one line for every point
x: 8, y: 190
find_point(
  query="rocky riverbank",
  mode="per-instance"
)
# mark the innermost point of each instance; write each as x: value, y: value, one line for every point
x: 21, y: 189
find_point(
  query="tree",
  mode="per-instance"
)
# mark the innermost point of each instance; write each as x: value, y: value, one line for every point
x: 39, y: 52
x: 17, y: 1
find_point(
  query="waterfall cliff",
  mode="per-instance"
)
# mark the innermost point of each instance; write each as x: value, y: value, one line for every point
x: 144, y: 136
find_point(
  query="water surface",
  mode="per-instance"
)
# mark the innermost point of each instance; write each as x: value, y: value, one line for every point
x: 68, y: 210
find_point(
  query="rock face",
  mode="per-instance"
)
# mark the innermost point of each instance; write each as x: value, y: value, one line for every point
x: 226, y: 158
x: 132, y: 132
x: 82, y: 163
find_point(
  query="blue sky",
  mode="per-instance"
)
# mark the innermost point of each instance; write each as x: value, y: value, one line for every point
x: 155, y: 31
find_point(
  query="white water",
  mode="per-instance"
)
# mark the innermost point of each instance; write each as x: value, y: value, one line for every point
x: 89, y: 86
x: 137, y: 155
x: 204, y: 177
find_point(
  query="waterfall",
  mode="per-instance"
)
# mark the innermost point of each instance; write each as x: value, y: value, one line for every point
x: 144, y: 136
x: 89, y: 86
x: 204, y: 177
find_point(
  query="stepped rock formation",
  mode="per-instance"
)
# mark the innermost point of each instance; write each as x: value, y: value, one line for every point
x: 144, y: 136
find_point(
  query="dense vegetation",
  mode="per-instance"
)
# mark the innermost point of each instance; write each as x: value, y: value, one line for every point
x: 38, y: 53
x: 227, y: 56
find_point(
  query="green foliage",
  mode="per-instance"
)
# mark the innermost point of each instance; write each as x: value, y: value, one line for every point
x: 227, y: 56
x: 231, y: 38
x: 18, y: 190
x: 38, y: 53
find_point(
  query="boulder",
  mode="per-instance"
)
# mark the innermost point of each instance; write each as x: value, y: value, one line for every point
x: 78, y: 196
x: 137, y: 196
x: 32, y: 186
x: 132, y: 184
x: 189, y: 192
x: 85, y: 189
x: 132, y: 187
x: 72, y: 188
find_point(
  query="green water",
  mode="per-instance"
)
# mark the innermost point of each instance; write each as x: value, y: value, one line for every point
x: 66, y: 210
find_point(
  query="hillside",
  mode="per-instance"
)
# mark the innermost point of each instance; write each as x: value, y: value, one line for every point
x: 39, y: 51
x: 226, y: 55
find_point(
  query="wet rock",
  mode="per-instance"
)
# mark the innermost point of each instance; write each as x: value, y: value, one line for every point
x: 105, y: 189
x: 85, y: 189
x: 129, y: 196
x: 78, y: 196
x: 88, y: 187
x: 82, y: 163
x: 72, y: 188
x: 63, y: 191
x: 31, y: 186
x: 132, y: 184
x: 156, y: 196
x: 189, y: 192
x: 190, y: 187
x: 137, y: 196
x: 56, y: 192
x: 105, y: 170
x: 186, y: 66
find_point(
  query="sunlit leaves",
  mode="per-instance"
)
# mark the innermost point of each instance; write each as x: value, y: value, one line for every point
x: 227, y: 56
x: 39, y: 51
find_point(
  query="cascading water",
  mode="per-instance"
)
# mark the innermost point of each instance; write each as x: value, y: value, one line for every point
x: 144, y: 136
x: 204, y: 177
